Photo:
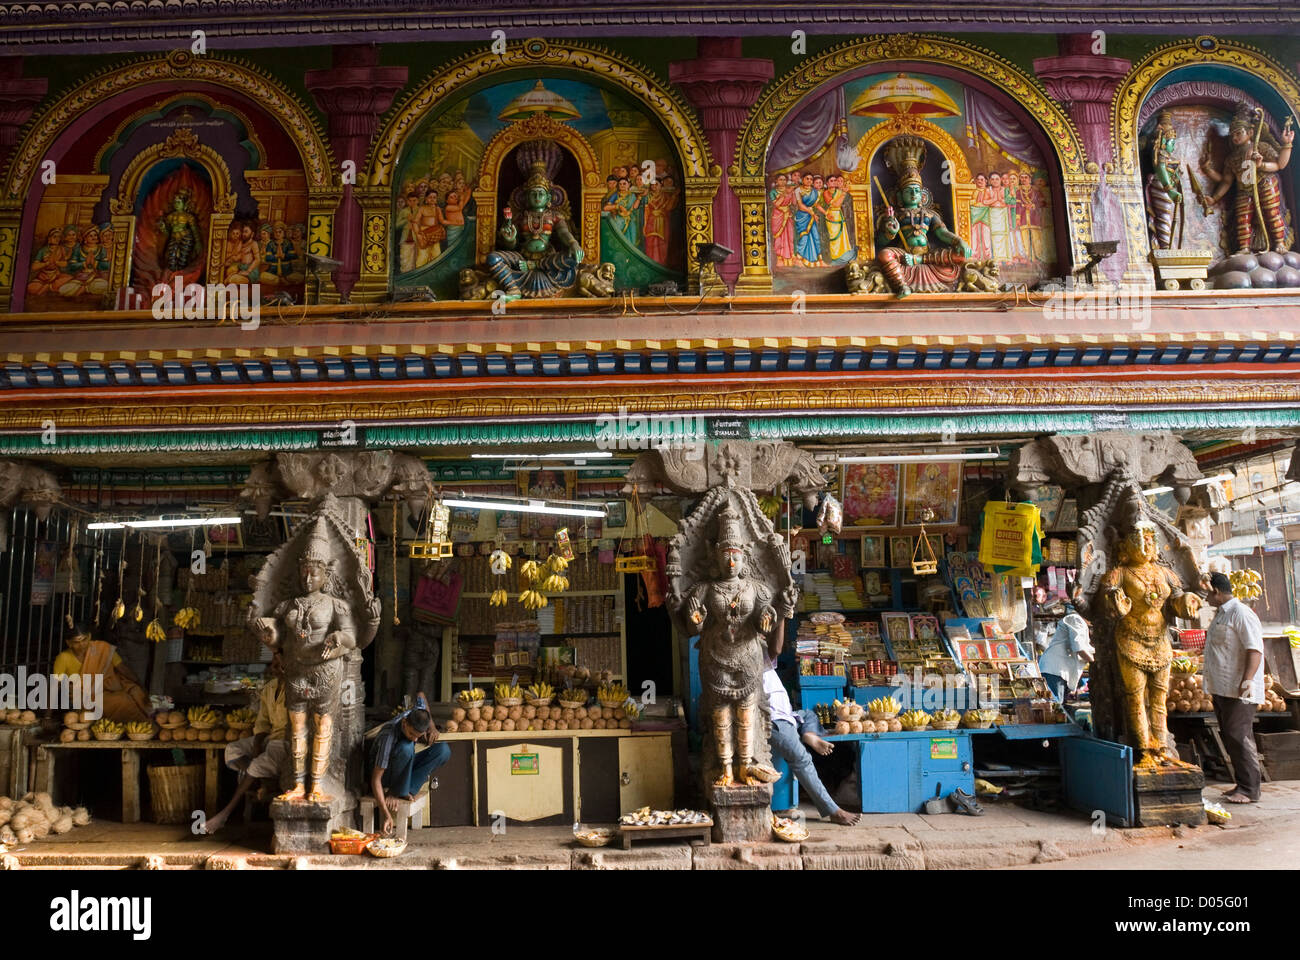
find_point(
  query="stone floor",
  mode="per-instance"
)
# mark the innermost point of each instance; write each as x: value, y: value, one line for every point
x: 1006, y: 836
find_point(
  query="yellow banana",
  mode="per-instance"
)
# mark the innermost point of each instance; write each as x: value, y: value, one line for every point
x: 119, y: 611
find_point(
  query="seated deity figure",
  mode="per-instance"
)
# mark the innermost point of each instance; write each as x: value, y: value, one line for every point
x: 538, y: 254
x: 915, y: 250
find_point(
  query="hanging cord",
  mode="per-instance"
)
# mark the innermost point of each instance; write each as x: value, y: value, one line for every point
x: 396, y: 620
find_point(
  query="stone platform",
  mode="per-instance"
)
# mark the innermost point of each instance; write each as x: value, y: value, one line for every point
x: 1165, y: 796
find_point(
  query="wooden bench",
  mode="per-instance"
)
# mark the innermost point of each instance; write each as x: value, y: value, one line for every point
x: 413, y: 812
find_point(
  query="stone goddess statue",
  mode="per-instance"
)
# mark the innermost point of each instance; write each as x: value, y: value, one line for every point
x: 318, y: 627
x: 1143, y: 596
x: 737, y: 606
x: 538, y: 254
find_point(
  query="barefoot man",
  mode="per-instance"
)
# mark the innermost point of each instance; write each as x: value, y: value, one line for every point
x: 398, y: 772
x: 794, y: 734
x: 1234, y: 677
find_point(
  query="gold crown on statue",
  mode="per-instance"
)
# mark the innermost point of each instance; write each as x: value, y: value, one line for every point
x: 538, y: 177
x: 905, y: 156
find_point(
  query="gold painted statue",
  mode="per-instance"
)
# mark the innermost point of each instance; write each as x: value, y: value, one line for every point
x: 1143, y: 596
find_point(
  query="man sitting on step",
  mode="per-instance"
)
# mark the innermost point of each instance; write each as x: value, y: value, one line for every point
x: 794, y: 733
x: 264, y: 756
x: 397, y: 772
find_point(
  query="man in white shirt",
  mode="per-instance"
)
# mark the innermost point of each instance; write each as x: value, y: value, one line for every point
x: 794, y: 732
x: 1234, y: 677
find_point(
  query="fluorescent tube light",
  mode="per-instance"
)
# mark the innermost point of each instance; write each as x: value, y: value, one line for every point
x: 1154, y: 490
x: 520, y: 506
x: 160, y: 522
x: 1220, y: 477
x: 922, y: 457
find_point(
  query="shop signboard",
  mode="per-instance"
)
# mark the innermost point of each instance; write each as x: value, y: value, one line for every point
x: 732, y: 428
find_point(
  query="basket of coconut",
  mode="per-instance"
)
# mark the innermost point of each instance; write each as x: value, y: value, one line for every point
x: 1186, y: 689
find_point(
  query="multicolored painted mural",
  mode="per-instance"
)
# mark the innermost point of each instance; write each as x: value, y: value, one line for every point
x: 611, y: 168
x: 986, y: 173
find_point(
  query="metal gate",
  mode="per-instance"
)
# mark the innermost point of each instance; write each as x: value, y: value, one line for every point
x: 45, y: 575
x: 1097, y: 775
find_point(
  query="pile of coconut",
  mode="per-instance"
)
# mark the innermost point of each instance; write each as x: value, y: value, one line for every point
x: 35, y: 816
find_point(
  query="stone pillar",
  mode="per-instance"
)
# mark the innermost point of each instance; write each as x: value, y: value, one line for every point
x: 722, y: 86
x: 353, y: 93
x: 1085, y: 83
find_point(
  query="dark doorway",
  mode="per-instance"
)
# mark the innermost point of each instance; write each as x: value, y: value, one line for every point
x: 649, y: 642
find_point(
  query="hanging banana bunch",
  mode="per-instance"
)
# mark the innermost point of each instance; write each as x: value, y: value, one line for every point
x: 119, y: 608
x: 187, y: 617
x: 137, y: 612
x: 532, y: 600
x: 1246, y: 584
x: 530, y: 571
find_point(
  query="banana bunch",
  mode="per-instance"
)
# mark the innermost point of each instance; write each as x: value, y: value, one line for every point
x: 501, y: 559
x: 555, y: 583
x: 187, y: 618
x: 532, y: 600
x: 105, y: 725
x: 505, y: 691
x: 540, y: 691
x: 499, y: 598
x: 202, y: 715
x: 1246, y: 584
x: 611, y: 692
x: 137, y: 613
x: 241, y: 717
x: 885, y: 705
x: 1183, y: 665
x: 979, y: 716
x: 139, y: 726
x: 530, y: 571
x: 119, y: 610
x: 914, y: 718
x: 472, y: 697
x: 633, y: 709
x: 557, y: 563
x: 770, y: 505
x: 155, y: 631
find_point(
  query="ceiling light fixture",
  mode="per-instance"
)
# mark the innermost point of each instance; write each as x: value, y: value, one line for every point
x: 563, y: 508
x: 922, y: 457
x: 162, y: 522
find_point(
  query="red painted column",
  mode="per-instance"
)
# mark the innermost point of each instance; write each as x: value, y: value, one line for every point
x: 353, y: 93
x: 19, y: 97
x: 723, y: 86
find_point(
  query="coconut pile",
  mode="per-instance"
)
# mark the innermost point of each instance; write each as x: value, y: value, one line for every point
x: 35, y: 816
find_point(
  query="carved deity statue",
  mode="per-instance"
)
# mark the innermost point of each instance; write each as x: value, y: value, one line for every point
x: 1252, y: 165
x: 538, y: 254
x: 1142, y: 596
x: 180, y: 234
x: 320, y: 620
x: 1164, y: 183
x: 915, y: 250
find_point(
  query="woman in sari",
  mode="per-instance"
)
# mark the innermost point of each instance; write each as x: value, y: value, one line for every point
x: 124, y: 699
x: 782, y: 199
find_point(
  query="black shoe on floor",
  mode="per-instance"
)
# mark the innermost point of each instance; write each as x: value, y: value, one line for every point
x: 965, y: 803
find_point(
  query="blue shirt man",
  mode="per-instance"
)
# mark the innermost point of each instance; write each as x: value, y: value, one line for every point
x: 397, y: 771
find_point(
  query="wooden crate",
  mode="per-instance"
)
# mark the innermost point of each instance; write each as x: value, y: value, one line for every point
x: 1279, y: 746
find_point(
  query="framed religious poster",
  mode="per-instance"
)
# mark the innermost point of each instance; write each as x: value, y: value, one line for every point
x: 900, y: 550
x: 548, y: 484
x: 873, y: 550
x: 933, y: 487
x: 898, y: 628
x: 1048, y: 498
x: 869, y: 492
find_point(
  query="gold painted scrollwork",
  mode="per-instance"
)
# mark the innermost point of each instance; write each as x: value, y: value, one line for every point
x: 376, y: 243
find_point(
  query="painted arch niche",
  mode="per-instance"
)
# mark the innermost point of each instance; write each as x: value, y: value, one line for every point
x: 1191, y: 116
x: 196, y: 188
x: 617, y: 176
x: 985, y: 169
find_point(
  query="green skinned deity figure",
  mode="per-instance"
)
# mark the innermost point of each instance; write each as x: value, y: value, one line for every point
x: 179, y: 229
x: 538, y: 255
x: 915, y: 250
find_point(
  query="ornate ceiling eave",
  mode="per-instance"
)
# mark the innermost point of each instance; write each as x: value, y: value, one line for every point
x: 111, y: 26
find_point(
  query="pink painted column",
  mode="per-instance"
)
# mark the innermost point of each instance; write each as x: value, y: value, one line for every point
x: 353, y: 93
x: 723, y: 86
x: 1084, y: 82
x: 19, y: 97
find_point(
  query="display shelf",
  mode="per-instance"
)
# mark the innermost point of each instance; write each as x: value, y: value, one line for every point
x: 1039, y: 731
x: 554, y: 596
x: 465, y: 679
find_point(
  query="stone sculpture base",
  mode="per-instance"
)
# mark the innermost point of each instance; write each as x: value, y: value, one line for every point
x: 742, y: 814
x: 1165, y: 796
x: 305, y: 827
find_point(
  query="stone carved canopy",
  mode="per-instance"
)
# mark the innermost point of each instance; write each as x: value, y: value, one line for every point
x: 368, y: 475
x: 22, y: 484
x: 751, y: 465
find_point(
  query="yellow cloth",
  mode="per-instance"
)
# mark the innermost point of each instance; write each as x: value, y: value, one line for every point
x: 272, y: 715
x: 67, y: 663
